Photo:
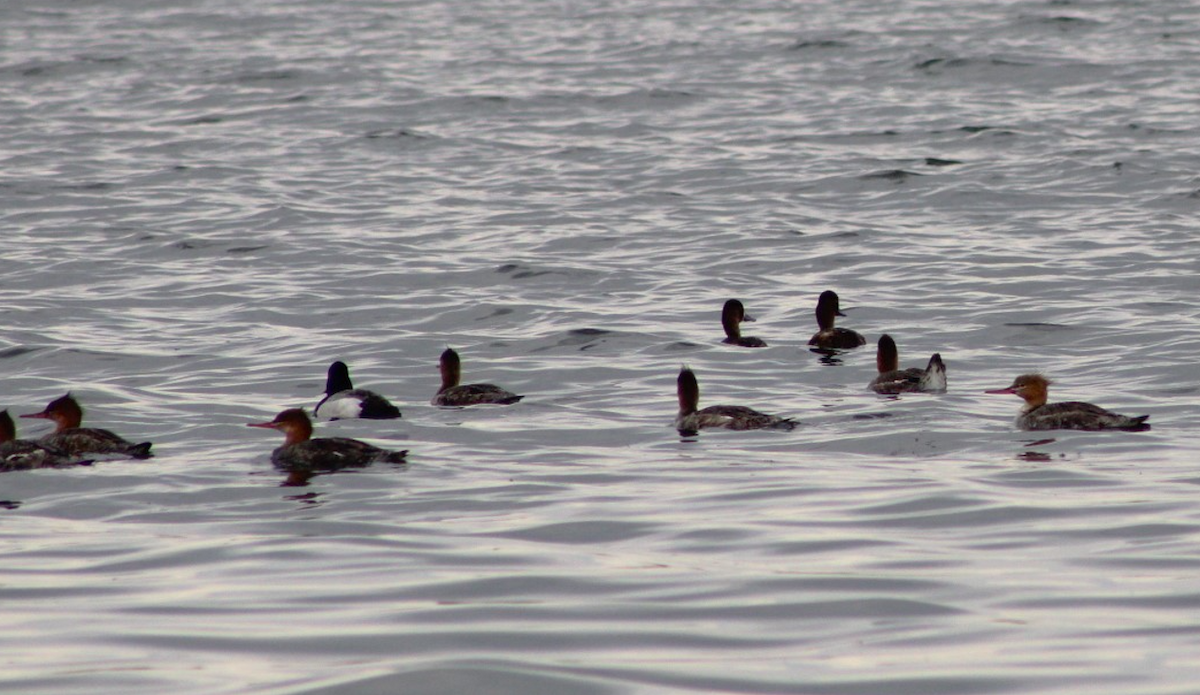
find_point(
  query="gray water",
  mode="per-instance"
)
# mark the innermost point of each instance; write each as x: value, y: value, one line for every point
x: 206, y: 203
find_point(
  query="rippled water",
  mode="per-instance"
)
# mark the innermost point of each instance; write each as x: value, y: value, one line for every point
x: 206, y: 203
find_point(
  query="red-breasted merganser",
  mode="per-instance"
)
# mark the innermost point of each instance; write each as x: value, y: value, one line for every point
x: 893, y: 379
x: 23, y: 454
x: 342, y: 400
x: 828, y: 337
x: 1071, y: 415
x: 301, y: 452
x: 731, y: 417
x: 732, y: 314
x: 74, y: 440
x: 451, y: 394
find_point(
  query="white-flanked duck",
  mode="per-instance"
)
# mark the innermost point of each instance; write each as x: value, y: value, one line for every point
x: 74, y: 440
x: 893, y: 379
x: 828, y: 337
x: 1070, y: 415
x: 732, y: 315
x: 453, y: 395
x: 303, y: 453
x: 343, y: 401
x: 732, y: 417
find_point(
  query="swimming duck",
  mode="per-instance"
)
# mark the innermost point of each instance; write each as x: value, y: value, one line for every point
x: 23, y: 454
x: 342, y: 400
x: 301, y: 452
x: 74, y: 440
x: 732, y: 314
x: 732, y: 417
x: 451, y: 394
x: 1070, y: 415
x: 828, y: 337
x: 892, y: 379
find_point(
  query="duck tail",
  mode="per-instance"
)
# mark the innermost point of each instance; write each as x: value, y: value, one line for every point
x: 1137, y: 424
x: 934, y: 378
x: 396, y: 456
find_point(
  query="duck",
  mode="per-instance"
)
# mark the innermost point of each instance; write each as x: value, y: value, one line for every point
x: 732, y: 314
x: 343, y: 401
x: 74, y: 440
x: 690, y: 420
x: 892, y: 379
x: 829, y: 337
x: 24, y: 454
x: 303, y: 453
x: 1071, y: 415
x: 453, y: 395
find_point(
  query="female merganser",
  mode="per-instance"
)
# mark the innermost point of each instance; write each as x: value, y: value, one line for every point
x: 74, y: 440
x: 732, y: 417
x: 342, y: 400
x: 301, y: 452
x: 1072, y: 415
x: 23, y: 454
x: 893, y: 379
x: 828, y: 337
x: 733, y: 314
x: 451, y: 394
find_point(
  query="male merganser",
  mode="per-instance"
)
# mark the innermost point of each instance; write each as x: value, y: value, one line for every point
x: 828, y: 337
x: 732, y: 314
x: 23, y: 454
x: 893, y: 379
x: 451, y: 394
x: 342, y: 400
x: 74, y: 440
x: 1071, y: 415
x: 732, y: 417
x: 301, y: 452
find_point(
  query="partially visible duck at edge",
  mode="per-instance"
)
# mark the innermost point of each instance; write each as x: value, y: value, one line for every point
x: 342, y: 400
x: 732, y: 417
x: 451, y: 394
x: 24, y: 454
x: 1070, y: 415
x: 301, y: 452
x: 74, y: 440
x: 829, y: 337
x: 892, y: 379
x: 732, y: 315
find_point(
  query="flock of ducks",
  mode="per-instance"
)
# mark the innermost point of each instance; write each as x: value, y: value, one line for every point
x: 1032, y: 388
x: 72, y: 444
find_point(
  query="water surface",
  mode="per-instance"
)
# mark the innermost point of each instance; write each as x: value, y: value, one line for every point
x: 205, y: 204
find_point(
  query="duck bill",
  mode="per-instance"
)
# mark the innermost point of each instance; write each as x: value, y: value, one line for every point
x: 264, y: 425
x: 40, y: 416
x: 1007, y: 390
x: 748, y: 318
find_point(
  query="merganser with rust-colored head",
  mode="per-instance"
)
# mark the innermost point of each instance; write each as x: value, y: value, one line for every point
x: 74, y: 440
x: 451, y: 394
x: 830, y: 337
x: 892, y: 379
x: 301, y: 452
x: 691, y: 420
x: 1071, y: 415
x: 24, y: 454
x: 732, y: 315
x: 343, y: 401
